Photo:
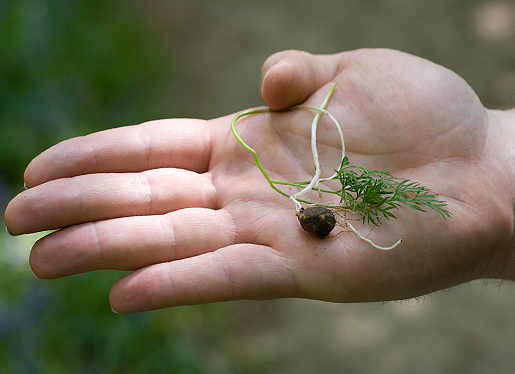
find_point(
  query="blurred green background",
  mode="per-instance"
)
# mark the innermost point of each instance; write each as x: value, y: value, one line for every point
x: 70, y: 67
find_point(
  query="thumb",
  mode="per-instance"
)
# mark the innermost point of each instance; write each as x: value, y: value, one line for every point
x: 288, y: 78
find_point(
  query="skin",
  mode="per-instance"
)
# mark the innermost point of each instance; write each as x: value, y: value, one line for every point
x: 182, y: 204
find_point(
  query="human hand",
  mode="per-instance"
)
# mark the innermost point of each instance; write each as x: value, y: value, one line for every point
x: 184, y: 205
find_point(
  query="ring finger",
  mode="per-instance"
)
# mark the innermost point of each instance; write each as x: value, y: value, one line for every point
x: 132, y: 242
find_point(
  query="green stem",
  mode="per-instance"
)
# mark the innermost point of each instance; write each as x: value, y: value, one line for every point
x: 250, y: 149
x: 307, y: 186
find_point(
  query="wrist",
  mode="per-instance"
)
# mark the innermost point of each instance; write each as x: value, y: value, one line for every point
x: 502, y: 128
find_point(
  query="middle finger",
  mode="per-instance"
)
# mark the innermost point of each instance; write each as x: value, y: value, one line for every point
x: 69, y: 201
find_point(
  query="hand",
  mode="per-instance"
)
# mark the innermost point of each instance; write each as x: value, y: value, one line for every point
x: 184, y: 205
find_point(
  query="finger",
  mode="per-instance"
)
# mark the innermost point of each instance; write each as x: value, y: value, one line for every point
x: 290, y: 77
x: 68, y: 201
x: 178, y: 143
x: 132, y: 242
x: 242, y: 271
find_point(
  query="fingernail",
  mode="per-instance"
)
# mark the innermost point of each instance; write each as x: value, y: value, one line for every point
x: 114, y: 311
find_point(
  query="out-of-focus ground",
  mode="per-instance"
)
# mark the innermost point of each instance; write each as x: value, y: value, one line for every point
x: 222, y: 44
x: 468, y: 329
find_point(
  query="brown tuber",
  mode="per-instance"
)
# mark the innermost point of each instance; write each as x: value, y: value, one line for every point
x: 317, y: 220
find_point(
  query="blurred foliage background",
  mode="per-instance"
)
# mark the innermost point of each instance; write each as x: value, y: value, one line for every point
x: 70, y: 67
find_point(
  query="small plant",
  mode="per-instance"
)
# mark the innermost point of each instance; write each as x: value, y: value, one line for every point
x: 372, y: 194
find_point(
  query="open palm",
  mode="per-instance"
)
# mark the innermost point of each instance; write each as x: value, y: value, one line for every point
x: 183, y: 203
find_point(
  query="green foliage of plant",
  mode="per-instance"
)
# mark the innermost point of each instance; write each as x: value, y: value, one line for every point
x: 375, y: 193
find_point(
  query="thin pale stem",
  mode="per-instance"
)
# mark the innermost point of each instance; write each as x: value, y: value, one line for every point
x: 314, y: 125
x: 338, y: 127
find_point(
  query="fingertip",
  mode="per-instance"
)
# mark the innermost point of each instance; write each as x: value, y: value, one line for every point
x: 36, y: 172
x: 41, y: 262
x: 290, y: 77
x: 282, y: 84
x: 7, y: 224
x: 114, y: 301
x: 131, y: 293
x: 12, y: 219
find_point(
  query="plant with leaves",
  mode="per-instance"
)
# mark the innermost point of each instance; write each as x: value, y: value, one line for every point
x: 373, y: 194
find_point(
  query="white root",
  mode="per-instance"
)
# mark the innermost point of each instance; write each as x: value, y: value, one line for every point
x: 316, y: 178
x: 370, y: 241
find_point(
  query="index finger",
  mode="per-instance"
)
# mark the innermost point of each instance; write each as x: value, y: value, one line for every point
x: 176, y: 143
